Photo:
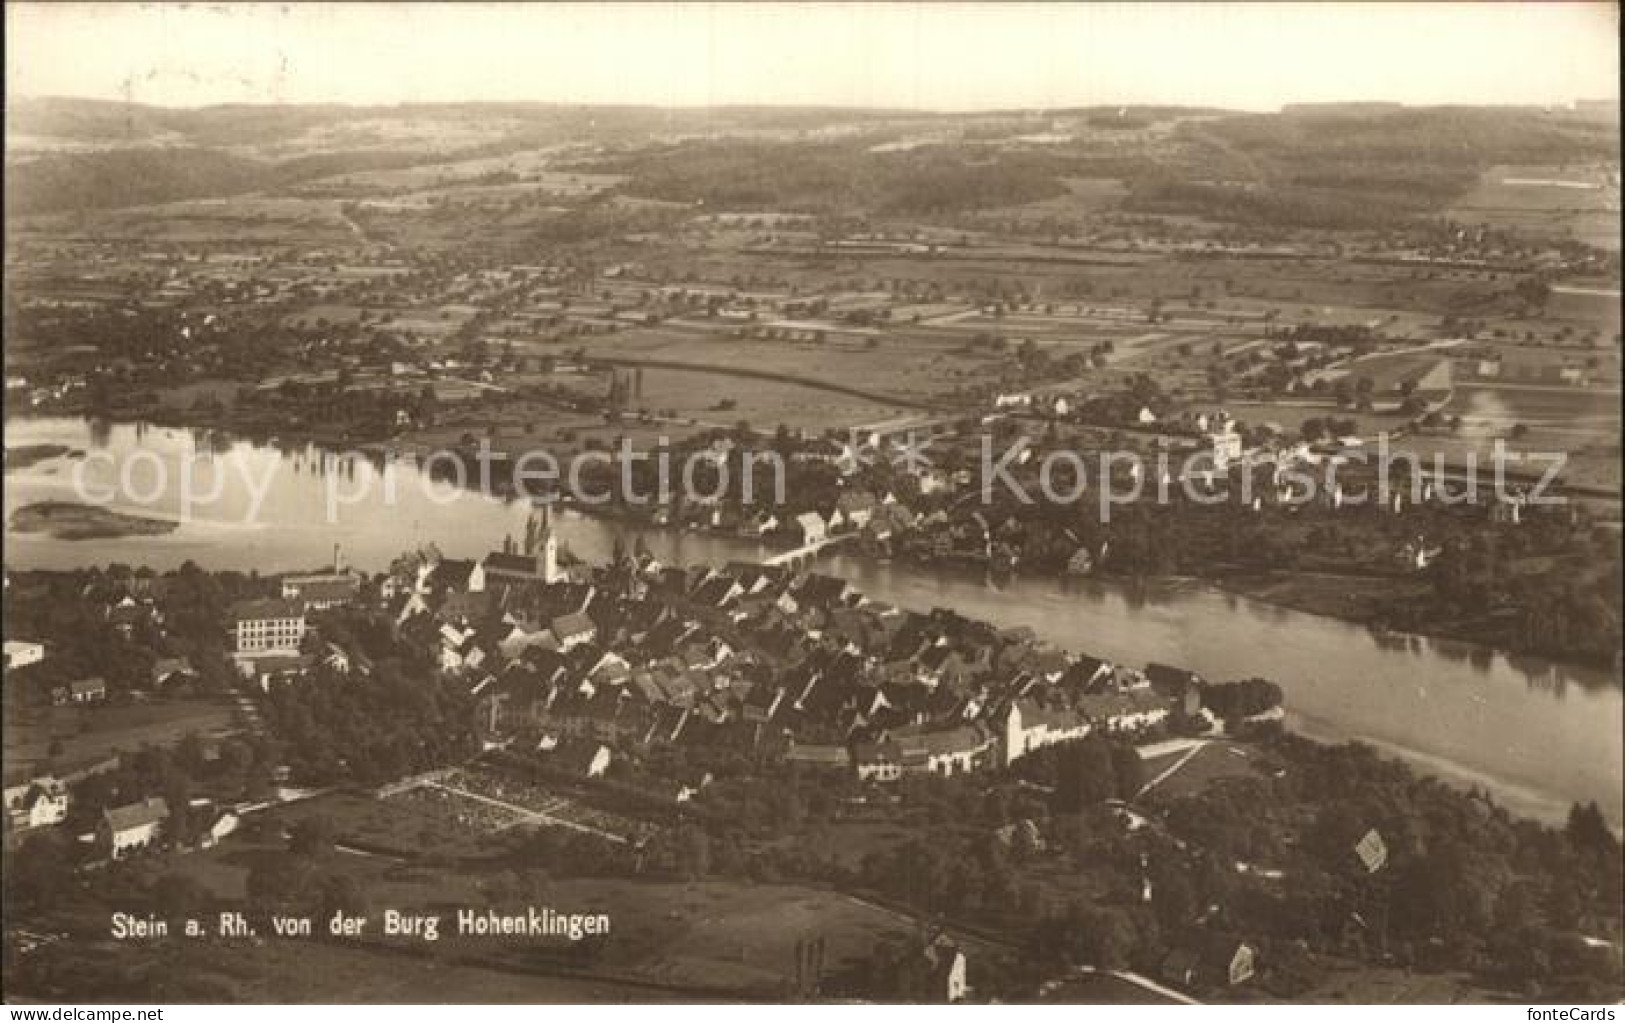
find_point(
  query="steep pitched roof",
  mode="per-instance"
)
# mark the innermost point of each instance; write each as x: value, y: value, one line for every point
x: 137, y: 815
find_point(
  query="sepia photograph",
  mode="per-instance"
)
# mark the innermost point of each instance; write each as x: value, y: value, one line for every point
x: 821, y: 504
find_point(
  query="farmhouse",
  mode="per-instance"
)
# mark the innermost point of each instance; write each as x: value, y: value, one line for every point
x: 39, y: 803
x: 85, y: 690
x: 133, y: 827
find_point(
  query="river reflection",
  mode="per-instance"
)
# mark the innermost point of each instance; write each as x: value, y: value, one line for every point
x: 1538, y: 733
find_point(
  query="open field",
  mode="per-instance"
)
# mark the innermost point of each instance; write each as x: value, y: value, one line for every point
x: 764, y: 404
x: 407, y: 829
x: 1579, y: 201
x: 534, y: 167
x: 733, y: 934
x: 911, y: 370
x: 88, y: 733
x: 1356, y: 984
x: 1084, y: 198
x: 1211, y: 762
x: 724, y: 935
x: 276, y: 972
x: 244, y: 221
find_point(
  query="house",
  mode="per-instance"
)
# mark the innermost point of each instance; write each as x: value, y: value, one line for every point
x: 276, y: 668
x: 132, y: 827
x: 817, y: 755
x: 717, y: 592
x: 1178, y: 685
x: 931, y: 481
x: 1209, y: 960
x: 321, y: 591
x: 822, y: 591
x: 85, y: 690
x: 584, y: 758
x: 270, y: 624
x: 856, y: 508
x: 812, y: 527
x: 224, y: 823
x: 889, y: 519
x: 1087, y: 674
x: 1124, y: 710
x: 945, y: 971
x: 1507, y: 511
x: 572, y: 630
x: 21, y: 653
x: 458, y: 576
x: 877, y: 761
x: 1416, y: 555
x: 41, y: 803
x: 1082, y: 562
x: 1029, y: 726
x: 1225, y: 446
x: 167, y: 671
x: 340, y: 660
x: 948, y: 751
x: 128, y: 614
x: 758, y: 523
x: 762, y: 702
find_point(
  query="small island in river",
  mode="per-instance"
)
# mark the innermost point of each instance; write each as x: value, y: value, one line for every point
x: 27, y: 455
x: 67, y: 520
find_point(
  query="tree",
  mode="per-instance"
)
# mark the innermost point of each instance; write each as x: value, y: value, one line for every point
x: 693, y: 852
x: 39, y: 871
x: 341, y: 892
x: 1533, y: 292
x: 312, y: 836
x: 179, y: 896
x: 1588, y: 830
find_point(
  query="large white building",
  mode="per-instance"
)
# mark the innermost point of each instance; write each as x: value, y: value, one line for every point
x: 1029, y: 727
x: 266, y: 626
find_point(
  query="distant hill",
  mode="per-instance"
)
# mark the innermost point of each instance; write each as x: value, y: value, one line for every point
x: 128, y: 177
x: 136, y: 176
x: 1331, y: 165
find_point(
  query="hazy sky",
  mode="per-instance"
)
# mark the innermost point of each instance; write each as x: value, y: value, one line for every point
x: 929, y: 55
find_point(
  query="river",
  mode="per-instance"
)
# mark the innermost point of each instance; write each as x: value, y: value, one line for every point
x: 1537, y: 734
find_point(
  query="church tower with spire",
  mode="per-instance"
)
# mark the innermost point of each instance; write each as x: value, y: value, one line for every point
x: 541, y: 543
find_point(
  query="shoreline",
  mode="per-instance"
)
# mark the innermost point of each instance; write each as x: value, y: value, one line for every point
x: 1327, y: 595
x: 71, y: 521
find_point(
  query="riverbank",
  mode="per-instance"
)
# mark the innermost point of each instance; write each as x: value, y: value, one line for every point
x: 1366, y: 600
x: 1357, y: 599
x: 67, y: 520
